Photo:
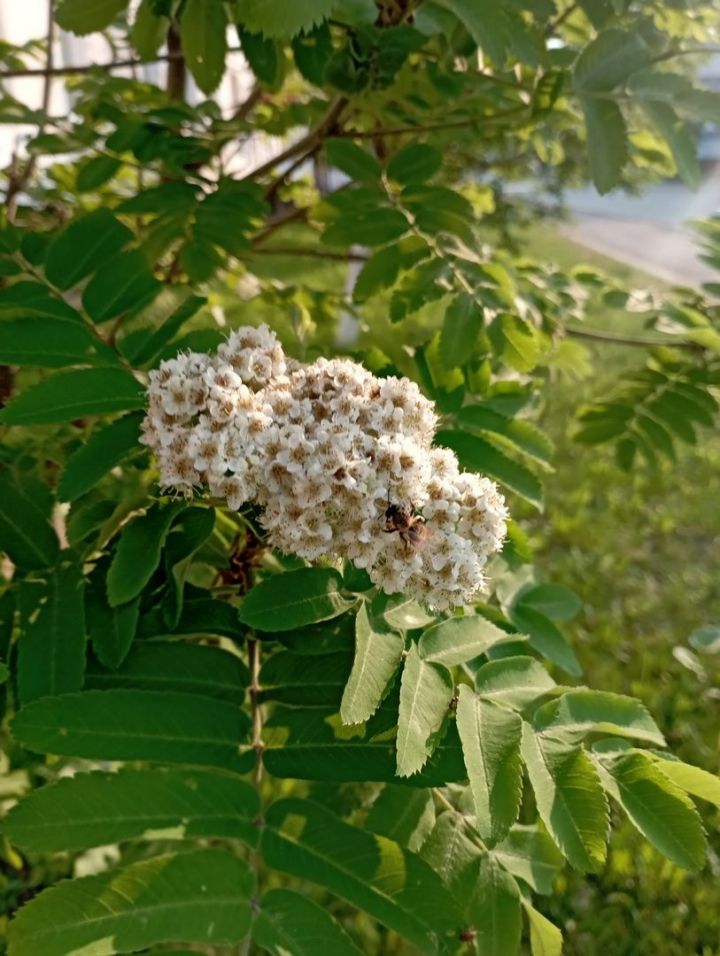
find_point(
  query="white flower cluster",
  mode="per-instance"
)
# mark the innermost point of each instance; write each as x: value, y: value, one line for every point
x: 324, y: 449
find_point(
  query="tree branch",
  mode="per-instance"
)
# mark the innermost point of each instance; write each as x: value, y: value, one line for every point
x: 18, y: 182
x: 558, y: 21
x: 597, y: 335
x: 311, y: 253
x: 89, y: 67
x: 428, y: 127
x: 176, y: 74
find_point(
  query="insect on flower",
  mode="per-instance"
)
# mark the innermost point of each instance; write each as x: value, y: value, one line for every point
x: 409, y: 525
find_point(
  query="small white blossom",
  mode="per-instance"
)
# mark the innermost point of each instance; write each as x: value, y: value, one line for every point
x: 323, y: 449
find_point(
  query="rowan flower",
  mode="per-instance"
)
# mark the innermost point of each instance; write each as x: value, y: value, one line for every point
x: 323, y: 449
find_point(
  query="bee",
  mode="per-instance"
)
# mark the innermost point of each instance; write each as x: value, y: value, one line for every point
x: 409, y: 525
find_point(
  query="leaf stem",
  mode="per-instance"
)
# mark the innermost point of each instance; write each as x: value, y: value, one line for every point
x: 612, y: 338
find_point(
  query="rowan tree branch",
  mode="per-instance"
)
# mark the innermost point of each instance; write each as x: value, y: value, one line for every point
x: 612, y: 338
x: 429, y: 127
x: 89, y: 67
x: 306, y: 252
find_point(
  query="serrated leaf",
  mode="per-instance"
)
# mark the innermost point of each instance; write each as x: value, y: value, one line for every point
x: 148, y: 31
x: 513, y: 681
x: 176, y: 666
x: 124, y: 284
x: 490, y: 736
x: 494, y: 910
x: 453, y: 855
x: 137, y: 554
x: 150, y: 348
x: 460, y: 639
x: 137, y: 725
x: 81, y: 17
x: 85, y: 245
x: 274, y: 18
x: 390, y: 883
x: 353, y: 160
x: 75, y: 394
x: 26, y: 535
x: 694, y: 780
x: 95, y: 809
x: 289, y: 924
x: 487, y: 26
x: 608, y: 60
x: 476, y: 454
x: 545, y: 637
x: 569, y: 798
x: 400, y: 612
x: 51, y: 649
x: 379, y: 272
x: 46, y: 343
x: 294, y: 599
x: 425, y: 693
x: 95, y: 172
x: 658, y: 808
x: 405, y: 816
x: 585, y: 711
x: 607, y: 142
x: 111, y: 629
x: 414, y: 163
x: 264, y: 57
x: 530, y: 855
x: 514, y: 341
x: 102, y: 451
x: 377, y: 655
x: 678, y: 137
x: 524, y: 435
x: 200, y: 896
x: 461, y: 328
x: 203, y: 31
x: 545, y: 938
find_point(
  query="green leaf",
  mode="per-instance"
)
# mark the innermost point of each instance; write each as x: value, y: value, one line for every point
x: 366, y: 227
x: 264, y: 57
x: 289, y: 924
x: 102, y: 451
x: 415, y: 163
x: 312, y: 743
x: 523, y: 435
x: 137, y: 554
x: 461, y: 328
x: 545, y: 637
x: 137, y: 725
x: 607, y: 142
x: 569, y: 798
x: 486, y: 24
x: 379, y: 272
x: 657, y: 807
x: 678, y: 137
x: 460, y: 639
x: 390, y: 883
x: 495, y: 910
x: 400, y: 612
x: 85, y: 245
x: 74, y: 394
x: 513, y: 681
x: 291, y: 600
x: 405, y: 816
x: 553, y: 600
x: 531, y: 856
x: 51, y: 650
x: 514, y: 341
x: 377, y: 655
x: 111, y: 629
x: 201, y: 617
x: 545, y: 938
x: 46, y: 343
x: 275, y: 18
x: 352, y: 159
x: 95, y: 172
x: 425, y: 694
x: 200, y: 896
x: 124, y: 284
x: 608, y: 60
x: 95, y: 809
x: 476, y: 454
x: 203, y: 31
x: 320, y: 680
x: 149, y: 349
x: 596, y: 711
x: 176, y: 666
x: 148, y: 31
x: 26, y: 535
x: 490, y: 736
x: 698, y: 782
x: 81, y: 16
x: 453, y: 856
x: 189, y: 533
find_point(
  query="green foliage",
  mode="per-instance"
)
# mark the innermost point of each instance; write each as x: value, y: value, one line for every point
x: 361, y: 763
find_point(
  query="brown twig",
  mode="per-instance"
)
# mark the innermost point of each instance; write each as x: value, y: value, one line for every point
x: 89, y: 67
x: 18, y: 182
x: 429, y: 127
x: 558, y: 21
x: 176, y: 74
x: 311, y: 253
